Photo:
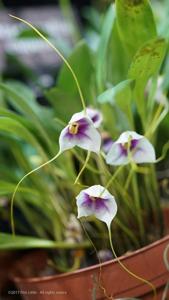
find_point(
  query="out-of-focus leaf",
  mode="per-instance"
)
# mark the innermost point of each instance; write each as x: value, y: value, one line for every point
x: 27, y: 33
x: 81, y: 61
x: 17, y: 130
x: 118, y: 58
x: 7, y: 188
x: 120, y: 95
x: 103, y: 48
x: 9, y: 242
x: 23, y: 99
x: 135, y: 22
x: 65, y: 104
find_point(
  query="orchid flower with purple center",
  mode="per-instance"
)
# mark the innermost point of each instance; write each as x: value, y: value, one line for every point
x: 95, y: 115
x: 97, y: 201
x: 131, y: 147
x: 80, y: 132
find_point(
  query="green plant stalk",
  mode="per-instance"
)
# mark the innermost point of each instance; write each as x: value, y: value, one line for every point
x: 138, y: 208
x: 157, y: 199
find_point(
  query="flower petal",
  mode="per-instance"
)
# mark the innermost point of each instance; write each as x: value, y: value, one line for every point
x: 145, y: 152
x: 116, y: 156
x: 87, y: 204
x: 95, y: 115
x: 107, y: 143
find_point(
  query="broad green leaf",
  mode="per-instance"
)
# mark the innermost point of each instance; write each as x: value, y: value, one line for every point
x: 118, y: 59
x: 64, y: 103
x: 81, y: 61
x: 9, y: 242
x: 101, y: 63
x: 135, y: 22
x: 145, y: 64
x: 120, y: 95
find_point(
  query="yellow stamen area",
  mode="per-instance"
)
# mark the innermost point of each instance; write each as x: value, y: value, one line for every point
x: 73, y: 128
x: 93, y: 198
x: 126, y: 145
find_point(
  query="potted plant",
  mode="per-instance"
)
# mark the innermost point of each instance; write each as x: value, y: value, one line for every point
x: 115, y: 180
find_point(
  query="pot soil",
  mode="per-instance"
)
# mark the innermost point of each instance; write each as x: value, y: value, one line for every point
x: 146, y: 262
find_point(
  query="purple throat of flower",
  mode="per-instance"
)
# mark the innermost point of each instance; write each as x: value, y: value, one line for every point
x: 95, y: 118
x: 131, y: 146
x: 95, y: 203
x: 78, y: 129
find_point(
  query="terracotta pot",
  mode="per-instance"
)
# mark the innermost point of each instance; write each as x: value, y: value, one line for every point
x: 146, y: 262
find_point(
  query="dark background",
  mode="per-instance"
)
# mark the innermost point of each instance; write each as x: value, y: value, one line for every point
x: 77, y: 3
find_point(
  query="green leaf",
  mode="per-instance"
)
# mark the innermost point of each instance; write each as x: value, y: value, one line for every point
x: 64, y: 103
x: 118, y: 59
x: 101, y: 63
x: 81, y: 61
x: 135, y: 22
x: 9, y: 242
x: 145, y: 64
x: 120, y: 95
x: 27, y: 33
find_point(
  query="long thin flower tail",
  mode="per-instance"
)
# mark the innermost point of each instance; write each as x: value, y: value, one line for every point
x: 19, y: 183
x: 130, y: 272
x: 59, y: 54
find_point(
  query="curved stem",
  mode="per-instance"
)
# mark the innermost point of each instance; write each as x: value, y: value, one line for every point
x: 164, y: 152
x: 59, y: 54
x: 130, y: 272
x: 18, y: 184
x: 83, y: 168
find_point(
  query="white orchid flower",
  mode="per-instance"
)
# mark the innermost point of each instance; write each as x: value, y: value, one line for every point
x: 80, y: 132
x: 97, y: 201
x: 131, y: 146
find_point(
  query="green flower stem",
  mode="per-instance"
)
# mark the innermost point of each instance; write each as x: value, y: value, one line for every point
x: 153, y: 125
x: 157, y: 199
x: 138, y: 208
x: 89, y: 167
x: 143, y: 280
x: 83, y: 168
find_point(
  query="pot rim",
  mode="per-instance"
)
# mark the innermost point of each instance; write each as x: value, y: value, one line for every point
x: 18, y: 279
